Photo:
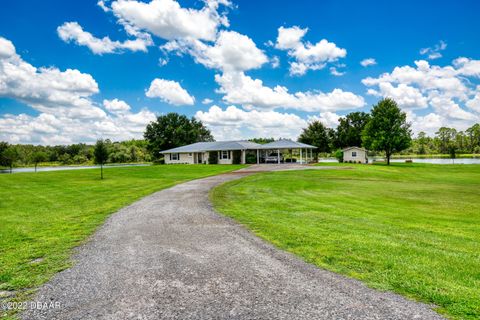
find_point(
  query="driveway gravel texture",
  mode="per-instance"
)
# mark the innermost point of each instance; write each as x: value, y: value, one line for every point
x: 171, y: 256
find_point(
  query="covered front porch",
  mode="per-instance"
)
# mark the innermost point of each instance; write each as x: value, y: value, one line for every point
x: 285, y: 151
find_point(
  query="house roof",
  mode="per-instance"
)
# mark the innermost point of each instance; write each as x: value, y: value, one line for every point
x: 349, y: 148
x: 286, y: 144
x: 238, y: 145
x: 215, y: 146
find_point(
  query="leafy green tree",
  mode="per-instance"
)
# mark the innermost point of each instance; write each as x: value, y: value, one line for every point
x: 422, y: 141
x: 9, y: 156
x: 473, y: 134
x: 444, y: 137
x: 387, y: 129
x: 100, y: 154
x: 350, y: 128
x: 3, y: 147
x: 174, y: 130
x: 452, y: 150
x: 37, y: 157
x: 339, y: 155
x: 316, y: 134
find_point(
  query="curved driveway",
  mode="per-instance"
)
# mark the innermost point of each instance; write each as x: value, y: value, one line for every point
x: 170, y: 256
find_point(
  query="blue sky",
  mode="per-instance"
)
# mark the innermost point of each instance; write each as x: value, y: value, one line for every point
x: 75, y: 71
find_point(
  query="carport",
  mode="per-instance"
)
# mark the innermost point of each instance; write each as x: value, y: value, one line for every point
x: 282, y: 146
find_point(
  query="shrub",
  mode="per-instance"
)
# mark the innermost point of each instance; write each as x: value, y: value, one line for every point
x: 237, y: 157
x: 339, y: 155
x: 250, y: 158
x: 212, y: 157
x: 159, y: 161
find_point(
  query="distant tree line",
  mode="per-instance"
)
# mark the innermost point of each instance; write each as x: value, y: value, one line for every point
x: 447, y: 141
x: 80, y: 153
x: 385, y: 127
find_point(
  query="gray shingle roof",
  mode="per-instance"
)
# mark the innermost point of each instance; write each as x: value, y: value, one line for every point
x: 238, y: 145
x: 215, y: 146
x: 348, y: 148
x: 286, y: 144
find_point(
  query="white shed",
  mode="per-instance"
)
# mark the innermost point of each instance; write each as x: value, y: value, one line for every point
x: 355, y: 155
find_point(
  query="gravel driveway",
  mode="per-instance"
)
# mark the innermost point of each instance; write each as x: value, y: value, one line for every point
x: 170, y: 256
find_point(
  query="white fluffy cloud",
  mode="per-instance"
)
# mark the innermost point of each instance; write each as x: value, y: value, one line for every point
x: 235, y: 123
x: 368, y: 62
x: 467, y: 67
x: 405, y: 95
x: 329, y: 119
x: 168, y: 20
x: 474, y: 103
x: 7, y: 49
x: 307, y: 56
x: 47, y: 89
x: 62, y: 99
x: 72, y: 31
x: 170, y: 92
x: 207, y: 101
x: 116, y: 106
x: 434, y: 52
x: 231, y: 51
x: 445, y: 90
x: 239, y: 88
x: 428, y: 123
x: 335, y: 72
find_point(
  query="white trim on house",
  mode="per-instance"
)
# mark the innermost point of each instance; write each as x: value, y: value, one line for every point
x: 199, y: 152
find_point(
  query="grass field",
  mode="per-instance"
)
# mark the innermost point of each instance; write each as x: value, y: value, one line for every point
x: 44, y: 215
x: 410, y: 228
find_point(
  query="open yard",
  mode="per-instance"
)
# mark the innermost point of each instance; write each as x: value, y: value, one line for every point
x: 410, y: 228
x: 44, y: 215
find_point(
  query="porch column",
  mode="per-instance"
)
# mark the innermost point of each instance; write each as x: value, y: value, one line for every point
x: 278, y: 155
x: 300, y: 155
x: 258, y: 157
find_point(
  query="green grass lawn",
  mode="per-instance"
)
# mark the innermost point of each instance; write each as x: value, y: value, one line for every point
x: 44, y: 215
x: 410, y: 228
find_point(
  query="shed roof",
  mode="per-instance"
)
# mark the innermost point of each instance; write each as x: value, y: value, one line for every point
x: 286, y: 144
x: 215, y: 146
x: 358, y: 148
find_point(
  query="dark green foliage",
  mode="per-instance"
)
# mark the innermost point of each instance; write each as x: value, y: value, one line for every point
x: 387, y: 130
x: 124, y: 151
x: 452, y: 150
x: 339, y: 155
x: 445, y: 137
x: 213, y: 157
x: 316, y: 134
x: 349, y: 130
x: 261, y: 140
x: 250, y: 158
x: 8, y: 156
x: 37, y: 157
x: 174, y: 130
x: 100, y: 154
x: 236, y: 157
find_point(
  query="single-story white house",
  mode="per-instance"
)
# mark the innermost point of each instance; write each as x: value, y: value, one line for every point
x: 199, y: 152
x: 355, y: 154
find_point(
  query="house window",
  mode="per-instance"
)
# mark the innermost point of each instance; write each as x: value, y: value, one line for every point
x: 189, y: 154
x: 224, y: 154
x: 174, y: 156
x: 354, y: 154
